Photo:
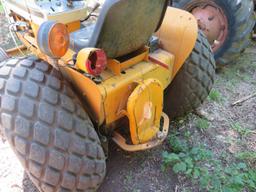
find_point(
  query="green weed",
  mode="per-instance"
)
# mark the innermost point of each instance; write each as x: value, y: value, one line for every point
x: 202, y: 124
x: 249, y: 156
x: 215, y: 95
x: 199, y: 164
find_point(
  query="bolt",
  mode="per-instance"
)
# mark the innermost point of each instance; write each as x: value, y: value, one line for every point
x: 160, y: 135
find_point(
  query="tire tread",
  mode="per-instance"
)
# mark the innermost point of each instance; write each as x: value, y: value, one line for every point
x: 40, y: 115
x: 193, y: 82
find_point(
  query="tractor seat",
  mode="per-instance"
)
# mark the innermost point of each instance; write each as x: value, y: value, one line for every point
x: 123, y: 26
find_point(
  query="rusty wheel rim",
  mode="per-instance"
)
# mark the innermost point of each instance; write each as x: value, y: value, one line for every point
x: 212, y: 21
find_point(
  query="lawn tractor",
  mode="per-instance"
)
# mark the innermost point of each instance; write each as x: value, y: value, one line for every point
x: 228, y: 24
x: 84, y: 83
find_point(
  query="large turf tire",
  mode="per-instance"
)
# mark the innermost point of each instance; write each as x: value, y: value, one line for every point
x: 48, y: 129
x: 193, y: 82
x: 241, y: 20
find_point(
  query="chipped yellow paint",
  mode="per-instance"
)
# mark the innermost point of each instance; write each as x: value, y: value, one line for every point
x: 144, y: 109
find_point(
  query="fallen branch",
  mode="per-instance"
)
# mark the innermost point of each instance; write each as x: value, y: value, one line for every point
x: 240, y: 101
x: 176, y: 188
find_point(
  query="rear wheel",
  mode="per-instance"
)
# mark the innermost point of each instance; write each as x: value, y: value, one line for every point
x: 48, y: 129
x: 193, y: 82
x: 227, y: 24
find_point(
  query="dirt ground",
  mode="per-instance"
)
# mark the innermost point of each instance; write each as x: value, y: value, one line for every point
x: 141, y: 172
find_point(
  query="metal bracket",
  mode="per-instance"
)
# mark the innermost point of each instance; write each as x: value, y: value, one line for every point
x: 160, y: 137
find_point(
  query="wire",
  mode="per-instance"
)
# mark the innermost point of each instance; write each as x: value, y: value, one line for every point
x: 14, y: 40
x: 10, y: 27
x: 95, y: 7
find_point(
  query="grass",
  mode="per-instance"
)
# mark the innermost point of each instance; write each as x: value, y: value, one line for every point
x: 234, y: 74
x: 247, y: 155
x: 221, y: 159
x: 215, y: 96
x: 202, y: 124
x: 242, y: 131
x: 128, y: 178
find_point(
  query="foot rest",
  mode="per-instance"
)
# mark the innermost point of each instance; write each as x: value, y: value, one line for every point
x: 159, y: 138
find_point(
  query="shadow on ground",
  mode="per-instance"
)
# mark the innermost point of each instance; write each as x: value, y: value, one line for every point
x: 129, y: 172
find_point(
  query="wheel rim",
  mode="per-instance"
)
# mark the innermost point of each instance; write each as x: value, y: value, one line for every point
x: 212, y: 21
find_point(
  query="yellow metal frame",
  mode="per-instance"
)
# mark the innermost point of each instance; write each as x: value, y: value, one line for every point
x: 178, y: 35
x: 117, y: 67
x: 134, y: 92
x: 108, y: 99
x: 131, y: 88
x: 117, y: 89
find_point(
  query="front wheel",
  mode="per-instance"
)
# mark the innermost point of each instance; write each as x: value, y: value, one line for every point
x: 48, y: 129
x: 193, y: 82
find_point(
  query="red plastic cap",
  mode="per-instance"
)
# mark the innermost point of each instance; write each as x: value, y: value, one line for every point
x: 96, y: 62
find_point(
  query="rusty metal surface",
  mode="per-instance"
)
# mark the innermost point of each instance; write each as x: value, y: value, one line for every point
x: 212, y: 21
